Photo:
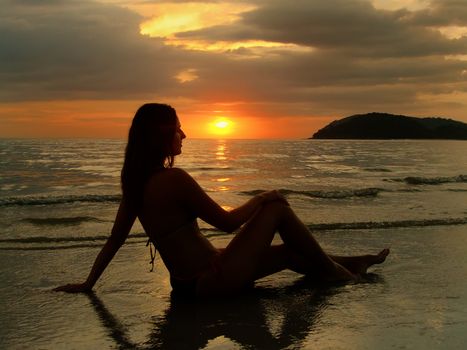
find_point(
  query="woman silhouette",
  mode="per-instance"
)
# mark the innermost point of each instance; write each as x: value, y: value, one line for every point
x: 168, y: 201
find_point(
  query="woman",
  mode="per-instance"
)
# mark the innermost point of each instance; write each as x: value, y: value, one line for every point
x: 168, y: 201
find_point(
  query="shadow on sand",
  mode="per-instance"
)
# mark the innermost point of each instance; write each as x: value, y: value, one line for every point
x: 262, y: 318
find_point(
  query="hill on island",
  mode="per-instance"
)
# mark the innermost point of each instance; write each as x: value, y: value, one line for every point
x: 390, y: 126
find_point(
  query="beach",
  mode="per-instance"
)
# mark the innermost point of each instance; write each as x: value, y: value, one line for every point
x: 58, y: 202
x: 416, y: 300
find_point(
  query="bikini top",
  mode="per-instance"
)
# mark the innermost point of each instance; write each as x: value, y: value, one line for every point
x: 152, y: 244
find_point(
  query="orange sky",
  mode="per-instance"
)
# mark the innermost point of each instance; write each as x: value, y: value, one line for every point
x: 273, y: 69
x: 111, y: 119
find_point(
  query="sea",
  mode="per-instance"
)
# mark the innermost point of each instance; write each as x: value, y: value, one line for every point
x: 58, y: 200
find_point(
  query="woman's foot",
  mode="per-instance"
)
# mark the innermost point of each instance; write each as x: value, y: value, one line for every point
x: 359, y: 265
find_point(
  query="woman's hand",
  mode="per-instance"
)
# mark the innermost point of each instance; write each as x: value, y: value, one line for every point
x: 74, y: 288
x: 271, y: 196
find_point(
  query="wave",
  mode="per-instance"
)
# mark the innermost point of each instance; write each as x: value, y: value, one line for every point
x: 43, y: 200
x: 340, y: 194
x: 418, y: 180
x: 115, y: 198
x: 66, y: 221
x: 70, y: 242
x: 65, y: 239
x: 387, y: 224
x: 74, y: 246
x: 58, y: 243
x: 382, y: 170
x: 363, y: 225
x: 210, y: 168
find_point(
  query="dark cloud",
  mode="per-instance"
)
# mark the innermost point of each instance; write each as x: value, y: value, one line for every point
x: 362, y: 58
x: 441, y: 13
x: 353, y: 26
x: 76, y: 49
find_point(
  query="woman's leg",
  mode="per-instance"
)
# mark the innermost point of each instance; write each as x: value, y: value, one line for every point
x: 249, y: 255
x: 297, y: 236
x: 279, y: 258
x: 360, y: 264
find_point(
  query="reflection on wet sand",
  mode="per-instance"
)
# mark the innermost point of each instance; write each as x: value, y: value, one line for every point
x: 264, y: 318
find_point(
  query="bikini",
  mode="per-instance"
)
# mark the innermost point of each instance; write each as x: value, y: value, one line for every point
x: 183, y: 286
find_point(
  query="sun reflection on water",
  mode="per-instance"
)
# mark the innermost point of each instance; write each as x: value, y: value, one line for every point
x: 222, y: 158
x: 221, y: 151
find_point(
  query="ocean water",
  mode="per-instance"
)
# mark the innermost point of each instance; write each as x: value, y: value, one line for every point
x: 58, y: 199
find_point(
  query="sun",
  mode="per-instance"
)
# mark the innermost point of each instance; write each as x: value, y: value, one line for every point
x: 221, y: 127
x: 221, y: 124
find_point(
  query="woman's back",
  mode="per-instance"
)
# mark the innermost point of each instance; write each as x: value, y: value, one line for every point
x: 171, y: 224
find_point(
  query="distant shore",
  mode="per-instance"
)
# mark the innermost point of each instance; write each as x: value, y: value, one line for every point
x: 384, y: 126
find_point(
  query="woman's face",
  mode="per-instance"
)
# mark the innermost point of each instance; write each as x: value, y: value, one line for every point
x: 178, y: 137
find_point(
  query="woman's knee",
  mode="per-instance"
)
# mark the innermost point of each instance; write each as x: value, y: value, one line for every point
x: 276, y: 211
x: 276, y: 208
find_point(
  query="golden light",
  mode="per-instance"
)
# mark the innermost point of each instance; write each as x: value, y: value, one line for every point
x: 224, y: 46
x: 166, y: 20
x: 171, y: 18
x: 453, y: 32
x: 187, y: 75
x: 221, y: 127
x: 222, y: 124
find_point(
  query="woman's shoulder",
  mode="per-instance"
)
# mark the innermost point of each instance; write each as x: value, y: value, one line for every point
x: 176, y: 173
x: 169, y: 176
x: 173, y: 183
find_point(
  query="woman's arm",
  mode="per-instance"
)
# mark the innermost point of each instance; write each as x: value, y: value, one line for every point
x: 120, y: 230
x: 211, y: 212
x: 243, y: 213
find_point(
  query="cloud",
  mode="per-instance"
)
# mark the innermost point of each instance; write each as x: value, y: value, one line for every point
x: 80, y: 50
x: 335, y: 56
x: 374, y: 56
x: 442, y: 13
x: 353, y: 26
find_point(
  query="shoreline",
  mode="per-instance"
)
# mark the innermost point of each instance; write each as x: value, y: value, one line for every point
x: 417, y: 289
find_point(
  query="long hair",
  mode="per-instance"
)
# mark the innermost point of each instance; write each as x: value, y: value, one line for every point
x: 149, y: 148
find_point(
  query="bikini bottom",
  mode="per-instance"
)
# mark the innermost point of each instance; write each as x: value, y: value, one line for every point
x: 185, y: 288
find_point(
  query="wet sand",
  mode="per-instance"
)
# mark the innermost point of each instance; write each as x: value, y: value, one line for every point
x: 417, y: 299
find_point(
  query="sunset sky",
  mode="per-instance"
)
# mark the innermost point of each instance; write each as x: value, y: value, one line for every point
x: 256, y: 69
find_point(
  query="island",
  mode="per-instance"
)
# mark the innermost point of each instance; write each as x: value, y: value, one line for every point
x: 379, y: 126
